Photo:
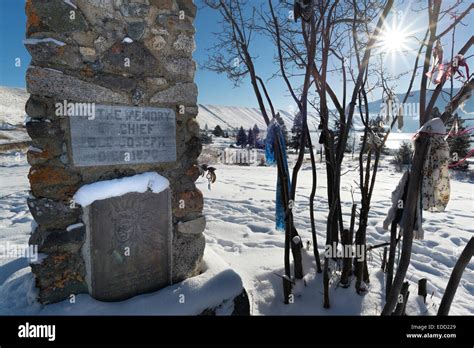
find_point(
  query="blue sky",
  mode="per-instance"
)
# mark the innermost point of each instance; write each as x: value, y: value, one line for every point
x: 213, y: 88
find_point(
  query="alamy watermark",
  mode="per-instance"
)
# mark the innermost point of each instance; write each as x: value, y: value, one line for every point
x: 28, y: 330
x: 345, y: 251
x: 75, y: 109
x: 15, y: 251
x: 394, y: 107
x: 238, y: 156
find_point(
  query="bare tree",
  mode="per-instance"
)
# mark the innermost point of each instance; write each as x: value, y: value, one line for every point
x: 369, y: 158
x: 336, y: 157
x: 302, y: 102
x: 421, y: 145
x: 327, y: 40
x: 330, y: 20
x: 234, y: 41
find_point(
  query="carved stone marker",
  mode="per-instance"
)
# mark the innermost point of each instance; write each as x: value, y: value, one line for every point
x: 123, y: 135
x: 128, y: 245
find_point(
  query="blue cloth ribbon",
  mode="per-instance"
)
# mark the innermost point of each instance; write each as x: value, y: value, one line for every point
x: 274, y: 132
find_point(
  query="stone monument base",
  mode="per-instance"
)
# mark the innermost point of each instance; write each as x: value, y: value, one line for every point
x: 218, y: 290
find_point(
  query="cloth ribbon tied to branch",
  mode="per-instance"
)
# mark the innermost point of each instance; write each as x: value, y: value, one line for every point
x: 395, y: 213
x: 391, y: 108
x: 435, y: 185
x: 437, y: 60
x: 210, y: 176
x: 447, y: 70
x: 273, y: 139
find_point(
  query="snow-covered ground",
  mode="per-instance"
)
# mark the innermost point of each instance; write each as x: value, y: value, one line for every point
x: 240, y: 230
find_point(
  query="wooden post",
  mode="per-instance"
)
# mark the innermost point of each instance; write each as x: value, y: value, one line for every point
x: 311, y: 203
x: 402, y: 300
x: 286, y: 290
x: 296, y: 251
x: 366, y: 270
x: 351, y: 228
x: 422, y: 288
x: 346, y: 261
x: 384, y: 260
x: 405, y: 303
x: 391, y: 257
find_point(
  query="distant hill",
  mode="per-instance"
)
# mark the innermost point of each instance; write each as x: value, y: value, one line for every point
x: 12, y: 106
x: 12, y: 117
x: 233, y: 117
x: 411, y: 123
x: 12, y: 112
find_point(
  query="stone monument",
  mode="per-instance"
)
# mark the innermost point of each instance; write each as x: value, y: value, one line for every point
x: 128, y: 243
x: 112, y: 97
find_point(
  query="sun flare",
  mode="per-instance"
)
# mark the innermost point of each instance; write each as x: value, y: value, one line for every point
x: 397, y: 40
x: 394, y: 40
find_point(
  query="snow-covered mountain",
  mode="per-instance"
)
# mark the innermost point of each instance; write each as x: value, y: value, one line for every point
x: 411, y: 118
x: 12, y: 106
x: 12, y: 112
x: 233, y: 117
x: 12, y: 117
x: 13, y: 100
